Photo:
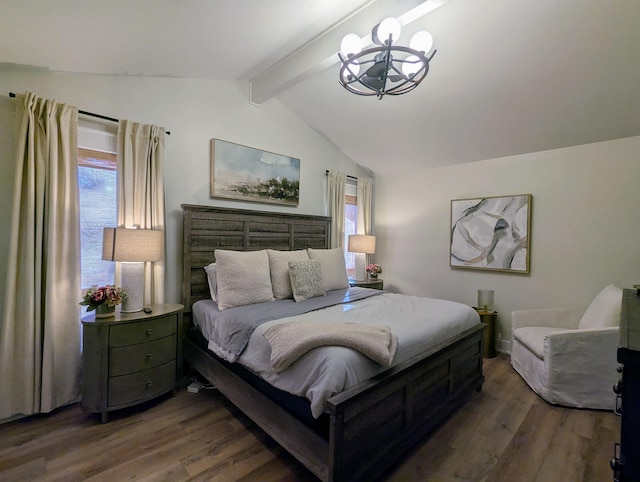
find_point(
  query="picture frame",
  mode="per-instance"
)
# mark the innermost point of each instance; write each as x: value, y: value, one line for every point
x: 242, y: 173
x: 491, y: 233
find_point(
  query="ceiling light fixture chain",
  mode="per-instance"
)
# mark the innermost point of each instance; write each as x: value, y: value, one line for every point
x: 388, y: 69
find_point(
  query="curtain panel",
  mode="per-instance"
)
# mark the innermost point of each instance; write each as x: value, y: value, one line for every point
x: 364, y: 189
x: 40, y: 329
x: 140, y: 163
x: 336, y: 182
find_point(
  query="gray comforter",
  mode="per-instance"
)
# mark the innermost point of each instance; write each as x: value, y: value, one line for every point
x: 228, y: 331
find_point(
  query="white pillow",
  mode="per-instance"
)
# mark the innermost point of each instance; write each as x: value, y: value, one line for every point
x: 279, y: 267
x: 243, y: 278
x: 604, y: 310
x: 212, y: 278
x: 334, y: 271
x: 306, y: 279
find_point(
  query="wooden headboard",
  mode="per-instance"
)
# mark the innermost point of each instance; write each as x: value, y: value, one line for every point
x: 206, y: 228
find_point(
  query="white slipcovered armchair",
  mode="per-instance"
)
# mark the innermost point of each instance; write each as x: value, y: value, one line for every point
x: 569, y: 358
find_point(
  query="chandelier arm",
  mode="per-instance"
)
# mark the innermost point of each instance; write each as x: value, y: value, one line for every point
x: 388, y: 62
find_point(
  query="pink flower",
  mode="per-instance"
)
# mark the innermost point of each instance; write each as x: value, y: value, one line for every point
x: 98, y: 296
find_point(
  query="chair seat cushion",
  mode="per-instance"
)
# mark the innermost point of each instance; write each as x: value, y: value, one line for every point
x: 532, y: 337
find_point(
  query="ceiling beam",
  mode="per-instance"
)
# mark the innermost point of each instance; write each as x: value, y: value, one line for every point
x: 322, y: 51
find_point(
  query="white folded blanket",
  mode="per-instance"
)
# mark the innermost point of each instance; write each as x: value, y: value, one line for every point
x: 289, y: 341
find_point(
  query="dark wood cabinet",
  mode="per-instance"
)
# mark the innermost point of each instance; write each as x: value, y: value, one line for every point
x: 626, y: 463
x: 130, y: 358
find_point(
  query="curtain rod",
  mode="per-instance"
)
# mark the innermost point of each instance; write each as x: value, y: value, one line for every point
x: 350, y: 177
x: 91, y: 114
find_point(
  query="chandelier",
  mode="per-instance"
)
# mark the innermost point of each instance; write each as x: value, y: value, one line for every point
x: 384, y: 69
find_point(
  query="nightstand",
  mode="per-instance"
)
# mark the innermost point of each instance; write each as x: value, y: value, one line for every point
x: 489, y: 318
x: 375, y: 284
x: 130, y: 358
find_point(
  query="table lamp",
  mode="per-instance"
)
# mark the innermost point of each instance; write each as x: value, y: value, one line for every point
x: 485, y: 300
x: 132, y: 247
x: 361, y: 243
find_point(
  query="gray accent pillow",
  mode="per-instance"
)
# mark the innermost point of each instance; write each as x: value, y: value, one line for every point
x: 243, y: 278
x: 212, y: 278
x: 279, y: 266
x: 334, y: 271
x: 306, y: 279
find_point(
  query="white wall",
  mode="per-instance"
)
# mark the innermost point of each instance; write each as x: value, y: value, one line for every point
x: 194, y: 111
x: 585, y: 227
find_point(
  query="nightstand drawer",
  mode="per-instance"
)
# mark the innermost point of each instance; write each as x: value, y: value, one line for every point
x: 142, y: 385
x: 142, y: 331
x: 135, y: 358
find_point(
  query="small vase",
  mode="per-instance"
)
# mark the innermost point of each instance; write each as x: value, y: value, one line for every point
x: 105, y: 311
x: 373, y: 275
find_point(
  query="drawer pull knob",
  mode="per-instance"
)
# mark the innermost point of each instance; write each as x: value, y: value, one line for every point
x: 149, y: 356
x: 617, y: 388
x: 149, y: 331
x: 149, y: 384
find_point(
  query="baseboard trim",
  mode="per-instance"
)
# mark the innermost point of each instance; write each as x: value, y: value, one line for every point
x: 503, y: 346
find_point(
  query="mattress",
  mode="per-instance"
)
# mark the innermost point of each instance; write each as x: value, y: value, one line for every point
x: 418, y: 323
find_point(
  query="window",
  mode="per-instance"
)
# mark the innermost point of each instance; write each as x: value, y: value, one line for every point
x: 97, y: 178
x: 350, y: 224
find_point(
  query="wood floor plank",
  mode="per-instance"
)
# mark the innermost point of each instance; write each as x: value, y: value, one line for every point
x: 521, y: 460
x: 606, y: 433
x: 566, y: 458
x: 504, y: 433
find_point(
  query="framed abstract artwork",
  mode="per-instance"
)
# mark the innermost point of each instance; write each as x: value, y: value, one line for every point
x: 244, y: 173
x: 491, y: 233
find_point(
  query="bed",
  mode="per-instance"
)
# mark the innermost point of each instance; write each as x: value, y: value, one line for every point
x: 363, y: 430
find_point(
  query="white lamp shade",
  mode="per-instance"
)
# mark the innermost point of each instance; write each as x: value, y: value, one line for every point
x: 351, y: 44
x: 362, y: 243
x: 421, y: 41
x: 132, y: 245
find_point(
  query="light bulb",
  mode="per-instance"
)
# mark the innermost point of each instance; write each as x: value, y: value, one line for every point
x: 411, y: 65
x: 421, y: 41
x: 389, y: 26
x: 351, y: 44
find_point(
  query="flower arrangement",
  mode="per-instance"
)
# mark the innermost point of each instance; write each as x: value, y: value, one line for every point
x: 109, y: 295
x: 374, y: 269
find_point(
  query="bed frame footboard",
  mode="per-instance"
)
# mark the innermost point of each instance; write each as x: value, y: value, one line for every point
x: 372, y: 425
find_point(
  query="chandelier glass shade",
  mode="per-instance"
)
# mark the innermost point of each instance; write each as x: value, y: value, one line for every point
x: 385, y: 68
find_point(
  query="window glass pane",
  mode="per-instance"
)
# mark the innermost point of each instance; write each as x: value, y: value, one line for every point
x: 97, y: 210
x: 350, y: 226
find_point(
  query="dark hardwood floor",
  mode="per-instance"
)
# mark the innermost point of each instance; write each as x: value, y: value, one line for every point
x: 504, y: 433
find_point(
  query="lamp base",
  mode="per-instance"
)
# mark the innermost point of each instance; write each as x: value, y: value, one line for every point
x: 361, y: 261
x: 133, y: 286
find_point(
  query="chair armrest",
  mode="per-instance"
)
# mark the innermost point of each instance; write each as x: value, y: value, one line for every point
x: 590, y: 347
x: 551, y: 317
x: 580, y: 367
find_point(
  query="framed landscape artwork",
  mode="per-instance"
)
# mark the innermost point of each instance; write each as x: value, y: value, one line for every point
x: 491, y: 233
x: 244, y: 173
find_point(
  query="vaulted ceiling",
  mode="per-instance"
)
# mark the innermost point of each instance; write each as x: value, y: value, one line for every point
x: 509, y: 76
